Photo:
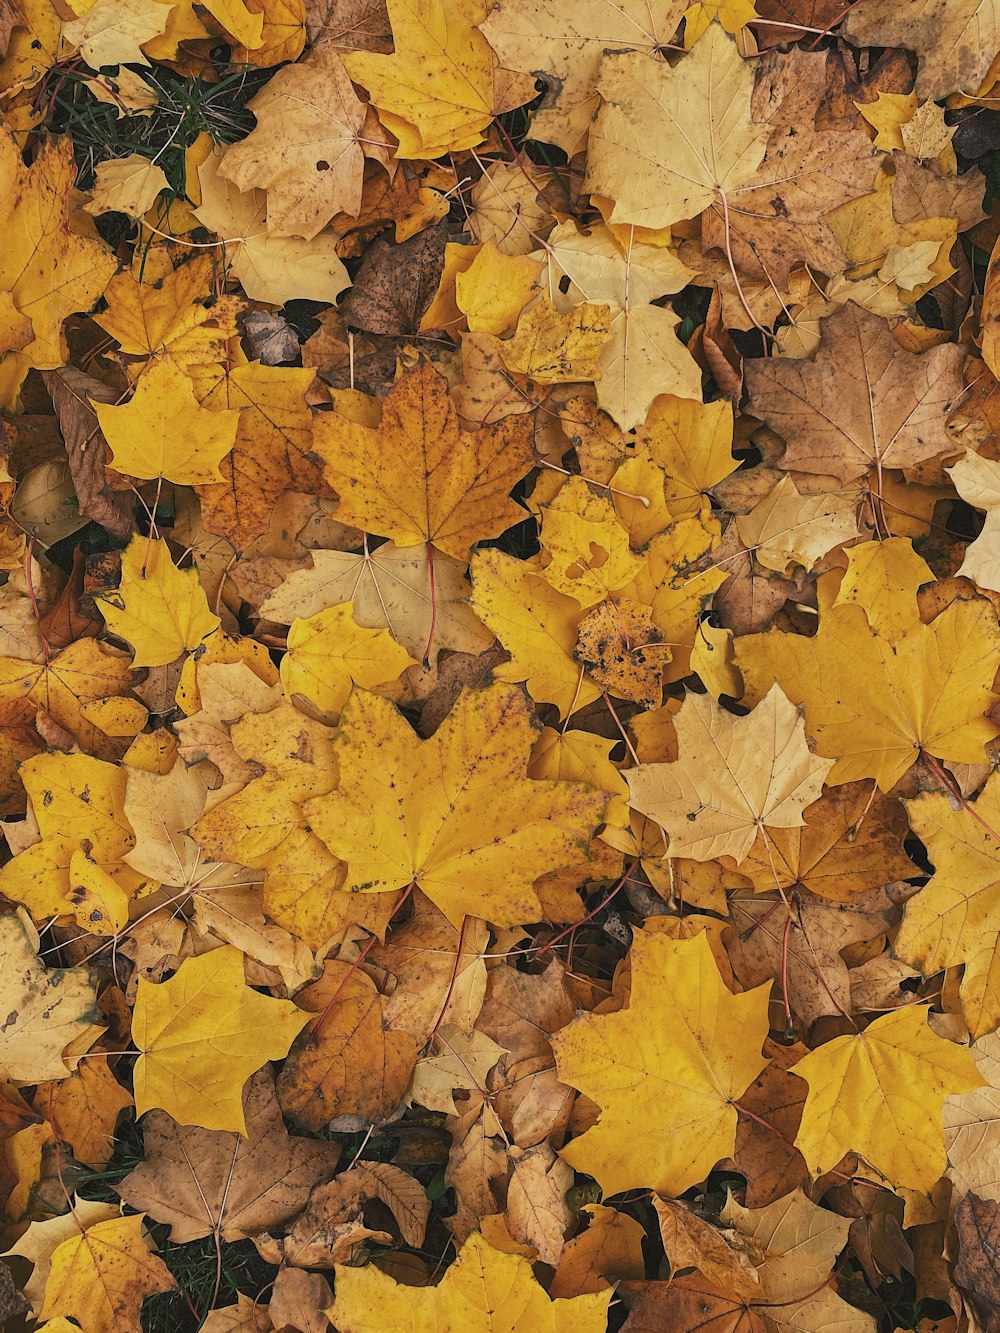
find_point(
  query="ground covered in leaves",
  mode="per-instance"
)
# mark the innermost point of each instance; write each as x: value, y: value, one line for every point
x: 500, y: 549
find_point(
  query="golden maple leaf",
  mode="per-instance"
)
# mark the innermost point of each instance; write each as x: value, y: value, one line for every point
x: 681, y: 1071
x: 201, y: 1035
x: 442, y: 85
x: 160, y: 609
x: 879, y: 1093
x: 873, y: 703
x: 483, y: 1289
x: 461, y: 820
x: 417, y: 477
x: 102, y: 1275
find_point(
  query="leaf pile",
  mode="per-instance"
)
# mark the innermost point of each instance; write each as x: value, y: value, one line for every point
x: 499, y: 648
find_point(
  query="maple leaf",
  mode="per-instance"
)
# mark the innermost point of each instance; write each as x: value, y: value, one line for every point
x: 536, y: 624
x: 270, y: 268
x: 207, y: 1182
x: 951, y: 920
x: 305, y: 150
x: 484, y: 1289
x: 895, y: 418
x: 441, y: 87
x: 794, y: 1246
x: 206, y: 1019
x: 882, y: 701
x: 48, y: 1010
x: 142, y: 433
x: 417, y: 477
x: 879, y: 1093
x: 160, y: 609
x: 764, y: 777
x: 642, y: 357
x: 78, y: 804
x: 349, y: 1062
x: 850, y: 842
x: 262, y: 823
x: 683, y: 1073
x: 127, y: 185
x: 689, y: 126
x: 329, y: 653
x: 445, y: 827
x: 84, y: 1110
x: 102, y: 1275
x: 389, y: 588
x: 569, y: 48
x: 272, y: 451
x: 170, y: 317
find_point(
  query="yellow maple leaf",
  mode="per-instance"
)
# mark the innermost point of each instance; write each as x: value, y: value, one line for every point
x: 78, y: 802
x: 262, y: 823
x: 484, y: 1289
x: 127, y: 184
x: 439, y: 90
x: 160, y: 609
x: 461, y: 819
x: 554, y: 347
x: 47, y: 267
x: 873, y: 704
x: 201, y: 1035
x: 586, y: 551
x: 417, y: 477
x: 953, y: 919
x: 169, y: 317
x: 880, y: 1093
x: 682, y: 1052
x: 495, y: 288
x: 145, y: 437
x: 329, y: 653
x: 761, y: 775
x: 101, y: 1276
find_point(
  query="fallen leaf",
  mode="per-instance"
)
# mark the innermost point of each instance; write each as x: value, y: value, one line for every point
x: 860, y: 1098
x: 206, y: 1182
x: 722, y: 817
x: 686, y: 1073
x: 206, y: 997
x: 455, y: 838
x: 428, y: 481
x: 366, y: 1298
